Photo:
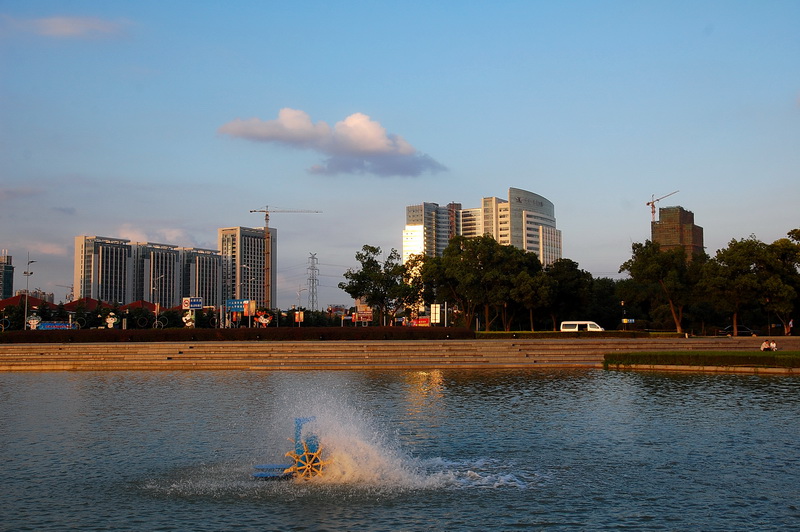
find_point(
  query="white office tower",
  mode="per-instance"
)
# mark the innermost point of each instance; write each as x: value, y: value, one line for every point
x: 525, y: 220
x: 428, y: 229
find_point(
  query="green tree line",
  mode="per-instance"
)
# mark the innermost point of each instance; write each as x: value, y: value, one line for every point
x: 502, y: 287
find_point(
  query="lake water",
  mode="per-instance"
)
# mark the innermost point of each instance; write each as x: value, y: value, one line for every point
x: 436, y: 450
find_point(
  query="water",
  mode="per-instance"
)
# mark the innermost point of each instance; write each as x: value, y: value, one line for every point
x: 437, y: 450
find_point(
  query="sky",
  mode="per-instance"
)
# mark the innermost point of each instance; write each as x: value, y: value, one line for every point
x: 163, y: 121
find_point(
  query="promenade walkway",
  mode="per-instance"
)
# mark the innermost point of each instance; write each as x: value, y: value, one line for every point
x: 351, y: 355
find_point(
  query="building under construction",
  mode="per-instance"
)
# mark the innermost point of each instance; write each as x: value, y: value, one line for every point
x: 675, y: 228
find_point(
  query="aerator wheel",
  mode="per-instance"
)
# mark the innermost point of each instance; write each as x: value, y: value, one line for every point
x: 306, y: 464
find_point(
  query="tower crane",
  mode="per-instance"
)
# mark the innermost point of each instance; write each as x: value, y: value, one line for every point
x: 268, y: 247
x: 653, y: 200
x: 70, y: 294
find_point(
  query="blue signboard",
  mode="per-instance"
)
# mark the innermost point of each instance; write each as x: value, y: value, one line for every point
x: 236, y: 305
x: 192, y: 303
x: 54, y: 325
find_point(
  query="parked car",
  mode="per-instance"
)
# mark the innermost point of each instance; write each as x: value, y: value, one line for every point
x: 741, y: 329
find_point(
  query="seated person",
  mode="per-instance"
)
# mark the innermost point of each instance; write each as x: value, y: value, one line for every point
x: 765, y: 346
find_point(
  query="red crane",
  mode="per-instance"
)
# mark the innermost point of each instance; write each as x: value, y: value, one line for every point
x: 653, y: 200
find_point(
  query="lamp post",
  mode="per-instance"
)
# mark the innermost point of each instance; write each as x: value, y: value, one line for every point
x: 154, y: 288
x: 297, y: 314
x: 249, y: 293
x: 27, y: 273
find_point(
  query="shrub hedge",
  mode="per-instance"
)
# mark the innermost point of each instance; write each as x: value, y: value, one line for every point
x: 776, y: 359
x: 539, y: 335
x: 238, y: 335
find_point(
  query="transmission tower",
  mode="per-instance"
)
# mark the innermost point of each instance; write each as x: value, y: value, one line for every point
x: 313, y: 281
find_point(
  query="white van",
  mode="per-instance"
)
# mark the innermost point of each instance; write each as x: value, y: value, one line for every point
x: 575, y: 326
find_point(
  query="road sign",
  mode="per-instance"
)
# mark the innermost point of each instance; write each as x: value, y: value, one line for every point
x: 235, y: 305
x: 192, y: 303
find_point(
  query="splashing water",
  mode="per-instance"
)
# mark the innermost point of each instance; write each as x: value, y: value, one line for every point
x: 360, y: 455
x: 359, y: 452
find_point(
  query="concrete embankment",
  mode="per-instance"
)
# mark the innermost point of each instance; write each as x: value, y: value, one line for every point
x: 349, y: 355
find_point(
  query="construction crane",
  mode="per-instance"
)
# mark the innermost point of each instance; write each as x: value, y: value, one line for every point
x: 70, y: 294
x: 653, y: 200
x: 268, y: 247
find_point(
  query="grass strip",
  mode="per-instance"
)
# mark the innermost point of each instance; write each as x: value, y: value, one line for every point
x: 760, y: 359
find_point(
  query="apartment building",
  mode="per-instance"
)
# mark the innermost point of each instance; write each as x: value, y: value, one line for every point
x: 248, y: 264
x: 6, y: 276
x: 117, y: 270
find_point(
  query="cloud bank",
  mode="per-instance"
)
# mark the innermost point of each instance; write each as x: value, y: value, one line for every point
x: 356, y: 144
x: 67, y: 27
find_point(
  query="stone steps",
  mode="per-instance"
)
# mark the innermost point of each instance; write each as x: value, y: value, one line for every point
x: 356, y: 355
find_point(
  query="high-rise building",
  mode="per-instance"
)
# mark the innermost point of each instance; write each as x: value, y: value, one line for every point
x: 429, y: 228
x: 245, y: 274
x: 103, y: 269
x: 202, y: 275
x: 115, y: 270
x: 525, y: 220
x: 6, y: 276
x: 675, y: 228
x: 37, y: 293
x: 156, y: 273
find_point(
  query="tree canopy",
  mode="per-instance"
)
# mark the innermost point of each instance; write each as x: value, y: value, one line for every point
x: 502, y: 287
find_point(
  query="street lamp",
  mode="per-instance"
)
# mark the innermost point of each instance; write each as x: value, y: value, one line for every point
x: 297, y: 314
x: 249, y: 300
x: 153, y: 288
x: 27, y: 273
x: 249, y: 293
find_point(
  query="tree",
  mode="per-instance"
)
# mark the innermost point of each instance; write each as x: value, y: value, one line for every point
x: 476, y: 272
x: 604, y: 305
x: 731, y: 278
x: 571, y: 290
x: 665, y: 274
x: 781, y: 280
x: 379, y: 285
x: 534, y: 292
x: 415, y: 290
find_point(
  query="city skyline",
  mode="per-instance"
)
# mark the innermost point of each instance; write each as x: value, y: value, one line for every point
x: 163, y: 122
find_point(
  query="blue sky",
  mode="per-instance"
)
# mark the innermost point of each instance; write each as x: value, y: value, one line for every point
x: 163, y: 121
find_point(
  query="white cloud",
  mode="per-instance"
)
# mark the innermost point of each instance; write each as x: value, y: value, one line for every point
x: 174, y: 236
x: 356, y: 144
x: 127, y: 231
x: 47, y: 248
x: 67, y: 27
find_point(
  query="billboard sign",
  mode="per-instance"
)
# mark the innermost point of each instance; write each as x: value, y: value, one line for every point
x: 436, y: 313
